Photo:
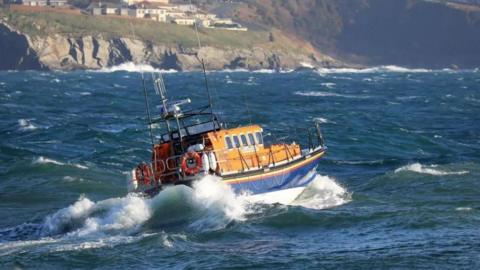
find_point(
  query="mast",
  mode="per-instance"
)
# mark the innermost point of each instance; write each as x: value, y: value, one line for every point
x: 210, y: 103
x: 147, y: 107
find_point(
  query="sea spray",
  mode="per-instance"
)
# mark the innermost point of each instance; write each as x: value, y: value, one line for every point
x: 66, y: 218
x: 210, y: 204
x: 26, y: 125
x: 132, y: 67
x: 323, y: 192
x: 218, y: 203
x: 427, y: 169
x: 45, y: 160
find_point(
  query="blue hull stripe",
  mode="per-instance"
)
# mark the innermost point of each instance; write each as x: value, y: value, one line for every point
x: 298, y: 177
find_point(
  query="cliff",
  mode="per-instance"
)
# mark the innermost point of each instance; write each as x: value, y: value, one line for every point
x: 412, y: 33
x: 47, y: 41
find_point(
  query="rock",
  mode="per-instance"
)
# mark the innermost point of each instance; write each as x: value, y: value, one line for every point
x: 59, y: 52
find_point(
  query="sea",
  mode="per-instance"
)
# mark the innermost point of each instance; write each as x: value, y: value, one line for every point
x: 398, y: 188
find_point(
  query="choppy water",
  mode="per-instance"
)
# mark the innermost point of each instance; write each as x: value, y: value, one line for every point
x: 399, y: 187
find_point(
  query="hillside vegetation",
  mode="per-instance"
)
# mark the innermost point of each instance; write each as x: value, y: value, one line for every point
x: 44, y: 23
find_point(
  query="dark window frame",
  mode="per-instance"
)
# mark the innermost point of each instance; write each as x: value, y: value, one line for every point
x: 236, y: 141
x: 228, y: 142
x: 244, y: 140
x: 259, y: 137
x: 251, y: 138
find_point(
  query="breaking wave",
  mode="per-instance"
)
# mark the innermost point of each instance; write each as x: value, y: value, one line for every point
x: 132, y: 67
x: 264, y: 71
x: 323, y: 192
x: 44, y: 160
x: 209, y: 205
x: 26, y: 125
x: 390, y: 68
x: 430, y: 169
x: 326, y: 94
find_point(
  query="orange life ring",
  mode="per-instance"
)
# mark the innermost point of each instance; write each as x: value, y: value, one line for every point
x: 143, y: 173
x: 191, y: 163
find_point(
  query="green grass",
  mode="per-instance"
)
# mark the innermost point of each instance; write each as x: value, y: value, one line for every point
x: 48, y: 23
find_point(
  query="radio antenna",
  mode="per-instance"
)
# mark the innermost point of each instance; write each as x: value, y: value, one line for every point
x: 210, y: 103
x: 147, y: 107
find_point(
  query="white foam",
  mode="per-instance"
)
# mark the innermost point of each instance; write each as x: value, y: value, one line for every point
x: 213, y: 200
x: 307, y: 65
x: 69, y: 178
x: 14, y: 246
x: 26, y: 125
x: 430, y: 169
x: 132, y: 67
x: 323, y: 192
x: 389, y: 68
x: 228, y: 70
x: 83, y: 167
x: 122, y: 214
x: 326, y: 94
x: 321, y: 120
x: 44, y: 160
x: 59, y: 221
x: 267, y: 71
x: 211, y: 192
x: 463, y: 209
x: 328, y: 85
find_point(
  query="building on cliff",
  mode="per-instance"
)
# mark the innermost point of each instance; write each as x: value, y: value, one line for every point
x: 133, y: 2
x: 34, y: 3
x: 42, y: 3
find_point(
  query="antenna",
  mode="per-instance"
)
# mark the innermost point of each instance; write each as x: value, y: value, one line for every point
x: 147, y: 107
x: 248, y: 109
x: 210, y: 103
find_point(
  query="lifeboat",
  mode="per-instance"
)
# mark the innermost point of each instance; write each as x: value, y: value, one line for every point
x: 185, y: 153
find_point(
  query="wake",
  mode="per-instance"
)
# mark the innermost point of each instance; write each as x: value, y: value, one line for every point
x: 210, y: 205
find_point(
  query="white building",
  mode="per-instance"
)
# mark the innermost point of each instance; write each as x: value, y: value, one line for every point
x: 133, y: 2
x: 153, y: 13
x: 33, y: 3
x: 187, y: 8
x: 183, y: 21
x: 57, y: 3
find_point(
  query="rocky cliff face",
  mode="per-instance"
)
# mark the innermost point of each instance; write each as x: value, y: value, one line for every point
x: 20, y: 55
x: 59, y: 52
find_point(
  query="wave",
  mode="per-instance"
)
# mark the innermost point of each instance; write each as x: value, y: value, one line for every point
x: 132, y: 67
x: 389, y: 68
x: 323, y: 192
x: 329, y: 85
x: 262, y: 70
x: 322, y: 120
x: 44, y: 160
x: 430, y: 169
x: 307, y: 65
x: 26, y: 125
x: 213, y: 204
x: 326, y: 94
x: 209, y: 206
x: 465, y: 209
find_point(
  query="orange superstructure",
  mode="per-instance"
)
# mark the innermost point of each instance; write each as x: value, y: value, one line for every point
x: 242, y: 149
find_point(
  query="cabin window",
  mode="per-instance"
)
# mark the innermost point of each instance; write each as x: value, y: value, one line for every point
x: 251, y: 139
x: 236, y: 141
x: 259, y: 137
x: 244, y: 140
x: 228, y: 140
